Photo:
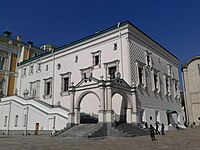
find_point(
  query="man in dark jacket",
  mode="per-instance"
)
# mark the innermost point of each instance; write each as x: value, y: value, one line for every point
x: 152, y: 133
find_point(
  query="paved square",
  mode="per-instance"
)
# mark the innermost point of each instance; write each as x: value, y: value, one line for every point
x: 173, y: 140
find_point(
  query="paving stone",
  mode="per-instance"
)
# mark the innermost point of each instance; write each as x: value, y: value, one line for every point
x: 187, y: 139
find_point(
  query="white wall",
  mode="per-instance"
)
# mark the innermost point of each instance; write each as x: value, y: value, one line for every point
x: 36, y: 113
x: 126, y: 53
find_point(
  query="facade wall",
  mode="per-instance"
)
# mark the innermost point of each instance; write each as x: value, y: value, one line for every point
x: 132, y: 49
x: 191, y: 81
x: 67, y: 61
x: 46, y: 117
x: 11, y: 52
x: 149, y: 99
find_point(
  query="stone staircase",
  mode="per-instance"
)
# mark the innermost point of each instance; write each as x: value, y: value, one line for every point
x: 128, y: 130
x: 61, y: 131
x: 83, y: 130
x: 99, y: 130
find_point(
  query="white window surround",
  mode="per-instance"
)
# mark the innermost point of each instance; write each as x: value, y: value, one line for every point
x: 167, y: 85
x: 38, y: 70
x: 142, y: 78
x: 108, y: 65
x: 47, y: 67
x: 16, y: 120
x: 76, y: 59
x: 115, y: 46
x: 96, y: 59
x: 31, y: 68
x: 65, y: 91
x: 199, y: 68
x: 34, y: 89
x: 148, y: 59
x: 176, y: 89
x: 47, y: 88
x: 5, y: 121
x: 58, y: 66
x: 86, y: 72
x: 155, y: 75
x: 24, y: 72
x: 169, y: 70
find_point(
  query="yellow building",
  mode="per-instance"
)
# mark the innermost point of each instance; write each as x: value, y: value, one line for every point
x: 13, y: 51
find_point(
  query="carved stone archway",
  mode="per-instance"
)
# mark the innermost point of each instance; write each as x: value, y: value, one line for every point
x: 125, y: 109
x: 104, y: 91
x: 78, y: 103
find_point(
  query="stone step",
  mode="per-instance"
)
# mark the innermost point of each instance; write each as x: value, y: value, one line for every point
x: 83, y: 130
x: 131, y: 130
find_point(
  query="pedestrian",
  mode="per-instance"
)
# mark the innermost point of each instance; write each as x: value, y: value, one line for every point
x: 162, y: 129
x: 152, y: 133
x: 157, y: 126
x: 53, y: 131
x: 146, y: 125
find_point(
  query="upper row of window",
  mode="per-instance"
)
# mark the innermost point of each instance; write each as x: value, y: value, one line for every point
x: 156, y: 80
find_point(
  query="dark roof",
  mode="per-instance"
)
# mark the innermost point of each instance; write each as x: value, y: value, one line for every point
x: 92, y: 36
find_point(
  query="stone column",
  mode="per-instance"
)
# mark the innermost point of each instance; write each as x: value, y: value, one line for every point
x: 109, y: 112
x: 127, y: 64
x: 101, y: 112
x: 8, y: 74
x: 134, y: 104
x: 129, y: 115
x: 77, y: 116
x: 71, y: 114
x: 187, y: 97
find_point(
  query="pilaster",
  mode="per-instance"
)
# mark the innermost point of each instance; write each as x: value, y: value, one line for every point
x: 134, y: 104
x: 71, y: 115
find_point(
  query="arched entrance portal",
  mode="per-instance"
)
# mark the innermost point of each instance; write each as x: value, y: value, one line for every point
x: 120, y: 103
x: 107, y: 97
x: 88, y: 105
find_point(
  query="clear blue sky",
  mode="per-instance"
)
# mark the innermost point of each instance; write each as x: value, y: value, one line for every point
x: 175, y: 24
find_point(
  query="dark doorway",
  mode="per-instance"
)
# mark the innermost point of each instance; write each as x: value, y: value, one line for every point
x: 88, y: 118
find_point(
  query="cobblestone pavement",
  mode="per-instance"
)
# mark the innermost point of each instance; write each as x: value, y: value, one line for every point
x: 173, y: 140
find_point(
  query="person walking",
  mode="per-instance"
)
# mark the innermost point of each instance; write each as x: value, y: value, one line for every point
x: 157, y: 126
x: 146, y: 125
x: 53, y: 131
x: 162, y: 129
x: 152, y: 133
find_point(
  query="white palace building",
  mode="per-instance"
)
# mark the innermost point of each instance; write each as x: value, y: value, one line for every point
x: 115, y: 75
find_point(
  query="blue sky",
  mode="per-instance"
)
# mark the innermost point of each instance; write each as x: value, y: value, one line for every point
x: 175, y: 24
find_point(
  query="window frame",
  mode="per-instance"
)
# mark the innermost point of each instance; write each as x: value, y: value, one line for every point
x: 16, y: 120
x: 86, y: 73
x: 148, y: 59
x: 115, y: 46
x: 63, y: 76
x: 47, y: 67
x: 155, y: 85
x: 5, y: 121
x: 176, y: 88
x: 37, y: 83
x: 47, y: 95
x: 31, y: 69
x: 38, y: 70
x: 140, y: 65
x: 24, y: 70
x: 76, y: 59
x: 167, y: 84
x: 114, y: 76
x: 94, y: 55
x: 112, y: 64
x: 169, y: 70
